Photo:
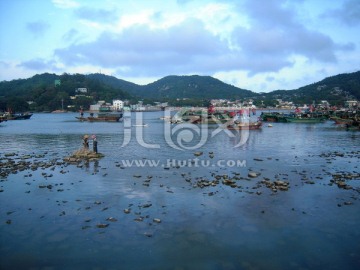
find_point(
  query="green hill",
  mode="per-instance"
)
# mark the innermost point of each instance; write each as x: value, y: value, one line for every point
x: 335, y: 89
x: 196, y: 90
x: 45, y: 96
x: 199, y: 87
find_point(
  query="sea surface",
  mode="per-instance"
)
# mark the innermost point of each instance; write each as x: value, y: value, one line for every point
x: 178, y: 197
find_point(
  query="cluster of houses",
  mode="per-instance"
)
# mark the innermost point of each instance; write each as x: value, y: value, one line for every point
x: 281, y: 104
x: 119, y: 105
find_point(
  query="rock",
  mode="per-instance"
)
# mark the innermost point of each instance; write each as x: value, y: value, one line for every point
x: 253, y: 174
x: 148, y: 234
x: 83, y: 154
x: 157, y: 220
x: 280, y: 183
x: 147, y: 205
x: 228, y: 182
x: 101, y: 226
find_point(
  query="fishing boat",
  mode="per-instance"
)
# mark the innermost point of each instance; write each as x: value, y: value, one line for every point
x: 17, y: 116
x: 341, y: 121
x: 245, y: 125
x: 102, y: 117
x: 203, y: 116
x: 306, y: 117
x: 299, y: 119
x: 273, y: 117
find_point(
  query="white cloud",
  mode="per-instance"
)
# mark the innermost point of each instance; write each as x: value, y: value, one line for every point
x: 253, y: 44
x: 65, y: 4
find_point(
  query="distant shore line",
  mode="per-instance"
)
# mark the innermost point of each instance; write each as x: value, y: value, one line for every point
x: 176, y: 109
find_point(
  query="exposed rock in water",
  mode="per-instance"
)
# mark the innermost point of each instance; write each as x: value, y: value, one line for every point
x: 253, y: 174
x: 83, y: 154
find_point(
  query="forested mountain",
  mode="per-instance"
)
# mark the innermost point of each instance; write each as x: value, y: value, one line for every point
x: 173, y: 87
x: 116, y: 83
x: 44, y: 95
x: 335, y: 89
x: 194, y: 86
x: 177, y: 90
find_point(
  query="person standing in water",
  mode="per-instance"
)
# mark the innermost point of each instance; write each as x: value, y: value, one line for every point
x: 94, y: 143
x: 86, y: 142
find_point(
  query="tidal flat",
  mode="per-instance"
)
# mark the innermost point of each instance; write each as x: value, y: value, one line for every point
x: 285, y: 198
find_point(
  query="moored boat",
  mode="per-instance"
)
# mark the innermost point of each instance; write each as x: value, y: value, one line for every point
x: 341, y: 121
x: 273, y: 117
x: 102, y: 117
x: 305, y: 119
x: 245, y: 125
x: 17, y: 116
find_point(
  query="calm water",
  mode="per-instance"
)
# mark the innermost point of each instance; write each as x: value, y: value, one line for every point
x: 313, y: 225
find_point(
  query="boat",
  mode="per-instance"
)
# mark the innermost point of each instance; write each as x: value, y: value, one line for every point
x: 17, y: 116
x: 203, y: 116
x: 104, y: 115
x: 341, y: 121
x: 245, y: 125
x: 354, y: 125
x: 273, y: 117
x: 101, y: 117
x: 299, y: 119
x: 306, y: 117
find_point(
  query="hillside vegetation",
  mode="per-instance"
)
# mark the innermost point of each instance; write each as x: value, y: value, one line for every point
x: 177, y: 90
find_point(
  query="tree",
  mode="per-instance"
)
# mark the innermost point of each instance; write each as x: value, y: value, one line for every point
x: 16, y: 104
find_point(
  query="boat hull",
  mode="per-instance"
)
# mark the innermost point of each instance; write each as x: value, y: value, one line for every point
x: 25, y: 116
x: 99, y: 119
x: 304, y: 120
x: 245, y: 126
x: 341, y: 121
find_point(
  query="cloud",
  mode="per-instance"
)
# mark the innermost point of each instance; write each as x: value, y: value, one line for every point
x: 4, y: 64
x: 70, y: 35
x: 37, y: 28
x: 39, y: 64
x: 348, y: 13
x: 139, y: 50
x: 65, y: 4
x: 272, y: 40
x: 91, y: 14
x: 274, y: 37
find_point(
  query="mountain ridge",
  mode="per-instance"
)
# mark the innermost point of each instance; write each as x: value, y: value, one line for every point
x: 41, y: 89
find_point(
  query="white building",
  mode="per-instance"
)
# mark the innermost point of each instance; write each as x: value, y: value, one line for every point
x: 118, y: 104
x: 351, y: 103
x: 81, y: 90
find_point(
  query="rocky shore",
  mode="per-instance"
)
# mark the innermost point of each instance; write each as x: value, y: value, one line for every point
x: 249, y: 181
x: 83, y: 154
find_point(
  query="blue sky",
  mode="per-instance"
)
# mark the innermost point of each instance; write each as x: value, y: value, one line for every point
x: 260, y: 45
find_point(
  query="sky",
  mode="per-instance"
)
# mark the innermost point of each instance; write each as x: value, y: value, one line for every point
x: 259, y: 45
